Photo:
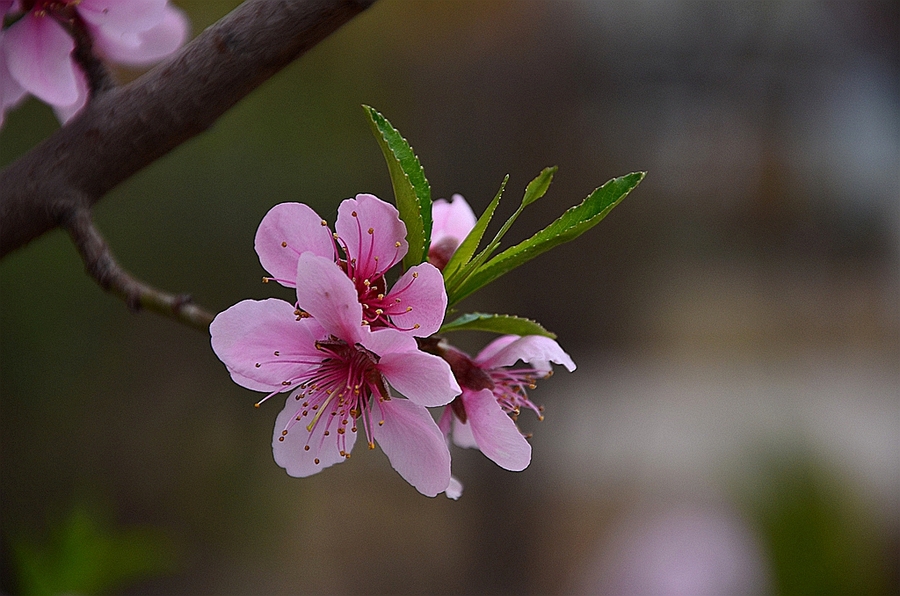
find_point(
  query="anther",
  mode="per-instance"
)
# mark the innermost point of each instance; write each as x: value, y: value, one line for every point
x: 284, y: 432
x: 371, y: 445
x: 265, y: 280
x: 415, y: 274
x: 277, y: 353
x: 284, y: 245
x: 285, y: 383
x: 327, y: 433
x: 353, y: 213
x: 281, y: 438
x: 316, y: 460
x: 257, y: 365
x: 396, y: 244
x: 324, y: 223
x: 306, y: 448
x: 371, y: 230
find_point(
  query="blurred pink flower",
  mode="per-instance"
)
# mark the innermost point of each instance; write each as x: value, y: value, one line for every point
x: 370, y: 239
x: 36, y: 50
x: 452, y: 222
x: 338, y: 372
x: 484, y: 415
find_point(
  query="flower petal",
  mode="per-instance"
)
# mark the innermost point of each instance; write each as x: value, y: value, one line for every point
x: 462, y: 435
x: 290, y: 450
x: 454, y: 489
x: 497, y: 435
x: 325, y: 292
x: 388, y: 341
x: 114, y: 17
x: 423, y: 378
x: 66, y: 113
x: 537, y: 350
x: 421, y: 290
x: 287, y: 231
x: 11, y: 92
x: 375, y: 236
x: 147, y: 46
x: 38, y: 54
x: 414, y: 445
x: 262, y: 341
x: 451, y: 220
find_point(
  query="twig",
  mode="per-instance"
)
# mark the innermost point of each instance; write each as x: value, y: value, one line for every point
x: 102, y: 266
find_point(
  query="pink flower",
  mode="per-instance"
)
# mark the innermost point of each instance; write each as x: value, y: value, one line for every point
x: 372, y: 239
x: 338, y: 372
x: 484, y: 415
x: 36, y: 50
x: 452, y: 222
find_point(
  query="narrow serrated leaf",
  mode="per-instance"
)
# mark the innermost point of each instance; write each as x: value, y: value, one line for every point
x: 538, y: 187
x: 469, y: 245
x: 569, y: 226
x: 412, y: 192
x: 505, y: 324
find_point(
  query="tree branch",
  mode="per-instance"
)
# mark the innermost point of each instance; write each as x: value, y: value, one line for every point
x: 102, y: 266
x: 124, y: 129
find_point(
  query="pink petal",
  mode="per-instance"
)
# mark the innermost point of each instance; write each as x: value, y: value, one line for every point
x: 462, y: 434
x: 252, y: 332
x: 423, y: 378
x: 145, y: 47
x: 11, y: 93
x: 291, y: 453
x: 414, y: 445
x: 38, y: 54
x: 114, y: 17
x: 422, y: 289
x: 454, y: 219
x: 445, y: 421
x: 386, y: 341
x: 537, y: 350
x: 454, y: 489
x: 497, y: 435
x: 66, y: 113
x: 299, y: 228
x: 325, y: 292
x: 386, y: 240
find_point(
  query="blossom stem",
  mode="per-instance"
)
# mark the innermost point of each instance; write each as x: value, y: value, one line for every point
x: 106, y: 271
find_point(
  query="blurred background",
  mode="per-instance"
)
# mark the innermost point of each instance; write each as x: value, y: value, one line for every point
x: 734, y: 423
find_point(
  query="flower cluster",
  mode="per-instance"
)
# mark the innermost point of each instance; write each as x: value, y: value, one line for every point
x: 353, y: 343
x: 37, y: 50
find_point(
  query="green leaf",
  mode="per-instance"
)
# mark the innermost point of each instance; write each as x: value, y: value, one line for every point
x: 538, y: 187
x: 569, y: 226
x: 467, y: 247
x: 505, y: 324
x: 535, y: 190
x: 412, y: 192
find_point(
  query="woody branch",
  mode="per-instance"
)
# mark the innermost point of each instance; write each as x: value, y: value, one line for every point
x: 123, y: 129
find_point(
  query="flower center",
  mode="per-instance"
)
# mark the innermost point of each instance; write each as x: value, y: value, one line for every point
x: 343, y: 389
x: 510, y: 389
